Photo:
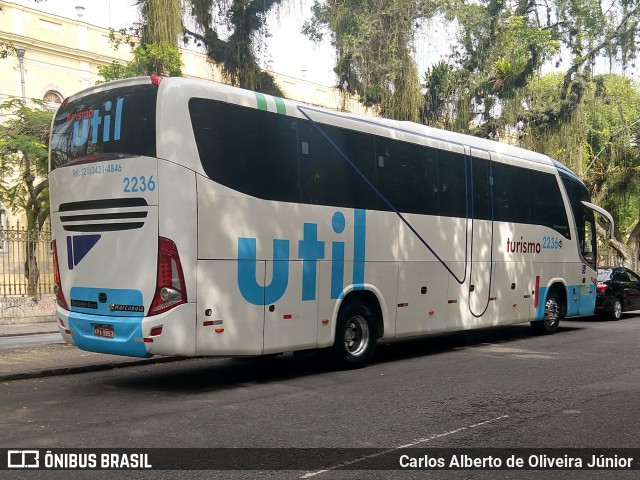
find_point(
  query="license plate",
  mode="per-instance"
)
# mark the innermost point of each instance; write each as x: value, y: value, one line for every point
x: 104, y: 331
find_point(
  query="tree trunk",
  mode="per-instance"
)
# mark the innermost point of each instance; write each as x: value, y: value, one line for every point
x: 634, y: 246
x: 31, y: 271
x: 626, y: 253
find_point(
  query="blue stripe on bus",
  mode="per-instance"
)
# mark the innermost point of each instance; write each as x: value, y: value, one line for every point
x: 127, y: 338
x: 585, y: 304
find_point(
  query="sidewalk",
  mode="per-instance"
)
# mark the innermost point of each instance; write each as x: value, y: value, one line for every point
x: 59, y: 358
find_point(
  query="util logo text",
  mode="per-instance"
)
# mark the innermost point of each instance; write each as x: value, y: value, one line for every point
x: 91, y: 120
x: 309, y: 251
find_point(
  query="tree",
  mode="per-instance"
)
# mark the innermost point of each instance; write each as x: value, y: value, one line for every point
x: 374, y: 45
x: 602, y: 135
x: 148, y: 59
x: 156, y: 52
x: 6, y: 49
x: 498, y: 49
x: 24, y: 187
x: 502, y: 45
x: 162, y: 21
x: 243, y: 23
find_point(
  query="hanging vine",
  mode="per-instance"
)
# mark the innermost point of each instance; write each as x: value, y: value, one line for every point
x: 231, y: 31
x: 374, y: 50
x: 162, y: 21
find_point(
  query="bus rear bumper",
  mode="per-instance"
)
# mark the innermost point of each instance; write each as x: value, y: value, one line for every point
x: 174, y: 332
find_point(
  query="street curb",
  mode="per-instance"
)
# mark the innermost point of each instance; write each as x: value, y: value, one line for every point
x: 4, y: 335
x: 52, y: 372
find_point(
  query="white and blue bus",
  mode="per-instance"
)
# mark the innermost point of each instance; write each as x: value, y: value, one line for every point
x: 192, y: 218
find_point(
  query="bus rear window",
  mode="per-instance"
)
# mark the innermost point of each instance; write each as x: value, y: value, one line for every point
x: 117, y: 121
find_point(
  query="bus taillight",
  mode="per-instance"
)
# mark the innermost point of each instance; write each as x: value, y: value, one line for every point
x: 57, y: 287
x: 170, y: 287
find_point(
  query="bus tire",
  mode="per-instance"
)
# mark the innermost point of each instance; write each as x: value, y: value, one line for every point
x: 355, y: 339
x: 552, y: 314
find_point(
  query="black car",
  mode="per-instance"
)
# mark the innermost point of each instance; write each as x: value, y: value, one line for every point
x: 618, y: 290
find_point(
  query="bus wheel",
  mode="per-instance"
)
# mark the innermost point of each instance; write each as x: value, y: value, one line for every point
x: 552, y: 312
x: 355, y: 339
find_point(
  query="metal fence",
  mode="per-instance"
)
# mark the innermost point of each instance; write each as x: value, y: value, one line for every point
x: 15, y: 244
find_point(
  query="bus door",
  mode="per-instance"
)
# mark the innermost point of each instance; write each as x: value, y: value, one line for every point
x: 583, y: 281
x: 480, y: 284
x: 587, y: 237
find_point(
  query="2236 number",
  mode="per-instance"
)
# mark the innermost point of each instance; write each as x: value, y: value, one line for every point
x: 139, y: 184
x: 551, y: 243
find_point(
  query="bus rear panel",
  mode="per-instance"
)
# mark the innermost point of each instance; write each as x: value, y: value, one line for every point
x: 118, y: 281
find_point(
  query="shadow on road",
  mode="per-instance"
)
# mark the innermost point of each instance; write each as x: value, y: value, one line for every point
x: 211, y: 374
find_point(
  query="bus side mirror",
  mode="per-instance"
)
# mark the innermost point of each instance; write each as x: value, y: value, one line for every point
x: 605, y: 214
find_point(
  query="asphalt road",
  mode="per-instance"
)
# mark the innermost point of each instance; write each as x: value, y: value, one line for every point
x: 501, y: 387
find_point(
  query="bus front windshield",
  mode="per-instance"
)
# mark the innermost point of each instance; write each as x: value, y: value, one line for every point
x: 119, y: 121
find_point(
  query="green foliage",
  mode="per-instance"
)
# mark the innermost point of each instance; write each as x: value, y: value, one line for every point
x: 232, y: 31
x: 148, y: 59
x: 374, y: 45
x: 444, y: 96
x: 500, y: 47
x: 599, y: 141
x: 6, y: 49
x: 520, y: 48
x: 614, y: 168
x: 163, y: 21
x: 24, y: 140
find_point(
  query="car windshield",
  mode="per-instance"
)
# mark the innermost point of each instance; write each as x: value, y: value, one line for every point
x: 604, y: 275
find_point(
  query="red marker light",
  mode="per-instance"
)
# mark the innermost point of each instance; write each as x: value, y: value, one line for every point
x: 155, y: 331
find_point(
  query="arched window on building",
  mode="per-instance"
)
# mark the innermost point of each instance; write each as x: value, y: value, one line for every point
x: 53, y: 99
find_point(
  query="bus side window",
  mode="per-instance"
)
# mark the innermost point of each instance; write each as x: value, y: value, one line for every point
x: 481, y: 189
x: 452, y: 194
x: 328, y: 178
x: 511, y: 194
x: 407, y: 176
x: 547, y: 206
x: 248, y: 150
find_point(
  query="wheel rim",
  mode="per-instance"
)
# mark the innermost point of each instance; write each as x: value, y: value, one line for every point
x: 356, y: 336
x: 552, y: 310
x: 617, y: 309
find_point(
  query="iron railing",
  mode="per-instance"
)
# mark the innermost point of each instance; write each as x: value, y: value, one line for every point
x: 26, y: 264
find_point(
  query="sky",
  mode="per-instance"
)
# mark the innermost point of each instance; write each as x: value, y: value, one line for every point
x: 290, y: 52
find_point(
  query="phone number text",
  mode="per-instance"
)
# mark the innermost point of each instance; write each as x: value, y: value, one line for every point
x: 93, y: 170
